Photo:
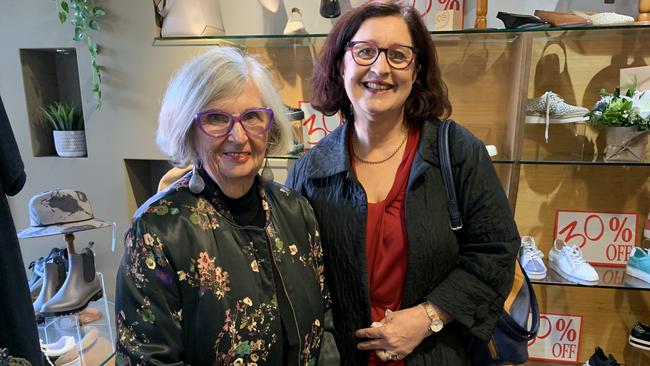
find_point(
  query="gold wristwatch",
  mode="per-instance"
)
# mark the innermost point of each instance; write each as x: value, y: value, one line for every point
x: 436, y: 323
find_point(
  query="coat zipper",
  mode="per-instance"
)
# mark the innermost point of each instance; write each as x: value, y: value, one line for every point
x: 284, y: 288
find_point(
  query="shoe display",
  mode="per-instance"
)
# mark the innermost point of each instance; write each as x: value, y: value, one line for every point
x: 640, y: 336
x: 294, y: 23
x: 599, y: 359
x: 607, y: 18
x: 81, y: 286
x: 54, y: 274
x: 551, y: 108
x: 638, y: 265
x: 568, y: 262
x: 35, y: 280
x: 530, y: 258
x: 330, y: 8
x: 559, y: 19
x: 63, y: 352
x: 521, y: 21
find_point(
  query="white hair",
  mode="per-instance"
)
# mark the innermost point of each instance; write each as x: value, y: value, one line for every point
x: 220, y: 73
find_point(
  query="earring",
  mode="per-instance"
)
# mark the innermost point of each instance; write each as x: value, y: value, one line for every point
x: 267, y: 173
x: 196, y: 181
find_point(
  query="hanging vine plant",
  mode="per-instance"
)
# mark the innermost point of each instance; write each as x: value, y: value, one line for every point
x: 84, y: 17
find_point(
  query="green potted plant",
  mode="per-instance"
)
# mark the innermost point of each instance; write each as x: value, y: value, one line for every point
x: 84, y: 17
x: 68, y: 124
x: 626, y: 123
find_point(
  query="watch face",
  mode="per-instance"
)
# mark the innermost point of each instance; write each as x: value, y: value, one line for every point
x: 436, y: 325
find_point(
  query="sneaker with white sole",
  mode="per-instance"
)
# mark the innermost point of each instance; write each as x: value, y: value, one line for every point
x: 530, y: 258
x: 551, y: 108
x: 638, y: 265
x: 640, y: 336
x: 568, y: 262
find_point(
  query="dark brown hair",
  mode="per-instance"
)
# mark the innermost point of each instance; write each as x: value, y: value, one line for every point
x: 428, y: 98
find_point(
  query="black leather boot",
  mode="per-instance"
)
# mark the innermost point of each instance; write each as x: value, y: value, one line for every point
x: 81, y: 286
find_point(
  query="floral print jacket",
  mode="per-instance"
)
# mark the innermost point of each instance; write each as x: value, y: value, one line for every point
x: 196, y: 288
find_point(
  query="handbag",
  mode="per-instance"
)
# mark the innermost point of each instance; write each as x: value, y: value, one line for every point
x: 508, y: 343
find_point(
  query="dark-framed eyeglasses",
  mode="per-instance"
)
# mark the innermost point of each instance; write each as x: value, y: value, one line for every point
x: 365, y: 53
x: 216, y: 123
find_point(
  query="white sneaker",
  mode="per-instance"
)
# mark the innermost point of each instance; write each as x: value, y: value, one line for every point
x: 550, y: 108
x: 568, y: 262
x: 530, y: 258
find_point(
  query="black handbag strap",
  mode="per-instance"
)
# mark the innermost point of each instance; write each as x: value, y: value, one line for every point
x: 455, y: 219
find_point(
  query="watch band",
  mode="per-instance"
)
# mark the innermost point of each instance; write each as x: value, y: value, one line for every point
x: 436, y: 323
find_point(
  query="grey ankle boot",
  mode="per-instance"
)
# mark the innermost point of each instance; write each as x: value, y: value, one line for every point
x: 81, y: 286
x: 54, y: 276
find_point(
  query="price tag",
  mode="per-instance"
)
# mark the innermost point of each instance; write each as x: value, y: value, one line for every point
x: 316, y: 125
x: 606, y: 238
x: 558, y: 338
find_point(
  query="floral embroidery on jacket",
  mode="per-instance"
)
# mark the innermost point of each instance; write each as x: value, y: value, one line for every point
x: 163, y: 207
x: 128, y: 338
x: 203, y: 215
x: 204, y: 275
x: 246, y: 333
x: 146, y: 252
x: 311, y: 344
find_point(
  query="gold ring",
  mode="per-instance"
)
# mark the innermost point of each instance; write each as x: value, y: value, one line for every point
x: 391, y: 356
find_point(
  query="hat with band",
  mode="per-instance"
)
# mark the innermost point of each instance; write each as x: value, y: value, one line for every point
x: 62, y: 211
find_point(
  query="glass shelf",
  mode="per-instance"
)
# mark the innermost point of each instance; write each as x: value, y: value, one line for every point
x: 584, y: 162
x: 610, y: 277
x: 491, y: 35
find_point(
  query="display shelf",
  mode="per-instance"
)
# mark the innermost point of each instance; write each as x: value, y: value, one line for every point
x: 584, y: 162
x: 95, y: 340
x: 490, y: 35
x: 610, y: 277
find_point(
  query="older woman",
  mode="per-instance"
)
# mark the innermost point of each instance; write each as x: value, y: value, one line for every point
x: 222, y: 267
x: 404, y: 285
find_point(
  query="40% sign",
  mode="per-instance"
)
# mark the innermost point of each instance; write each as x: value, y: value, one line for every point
x: 558, y: 338
x: 605, y: 238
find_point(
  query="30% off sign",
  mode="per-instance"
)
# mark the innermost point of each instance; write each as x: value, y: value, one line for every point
x: 606, y: 238
x: 558, y: 338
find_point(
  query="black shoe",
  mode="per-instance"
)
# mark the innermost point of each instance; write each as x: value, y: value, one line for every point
x: 521, y: 21
x: 640, y: 336
x: 330, y: 8
x: 599, y: 359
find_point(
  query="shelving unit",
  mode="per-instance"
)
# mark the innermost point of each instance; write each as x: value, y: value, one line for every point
x: 49, y: 75
x: 490, y: 75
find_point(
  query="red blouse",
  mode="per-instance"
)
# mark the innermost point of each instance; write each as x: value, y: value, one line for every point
x: 387, y: 243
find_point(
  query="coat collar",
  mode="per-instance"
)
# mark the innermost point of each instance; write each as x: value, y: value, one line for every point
x: 331, y: 156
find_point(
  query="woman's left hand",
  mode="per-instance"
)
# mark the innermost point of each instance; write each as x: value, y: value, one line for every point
x: 397, y: 335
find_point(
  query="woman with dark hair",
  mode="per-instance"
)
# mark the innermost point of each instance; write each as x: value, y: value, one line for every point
x: 405, y: 287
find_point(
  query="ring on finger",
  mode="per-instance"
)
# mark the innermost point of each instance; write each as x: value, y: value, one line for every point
x: 391, y: 356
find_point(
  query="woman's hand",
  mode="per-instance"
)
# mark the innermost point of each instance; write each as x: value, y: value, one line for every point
x: 397, y: 335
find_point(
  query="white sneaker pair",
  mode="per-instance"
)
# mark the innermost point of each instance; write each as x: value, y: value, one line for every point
x: 530, y: 258
x: 568, y: 262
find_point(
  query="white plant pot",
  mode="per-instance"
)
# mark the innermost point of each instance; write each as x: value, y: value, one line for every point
x: 70, y: 144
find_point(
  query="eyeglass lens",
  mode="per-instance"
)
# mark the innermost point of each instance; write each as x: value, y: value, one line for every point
x: 219, y: 123
x: 365, y: 54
